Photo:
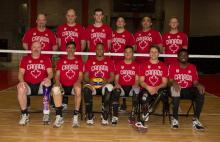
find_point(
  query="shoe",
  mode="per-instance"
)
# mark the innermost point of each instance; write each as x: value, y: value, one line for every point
x: 197, y: 125
x: 46, y: 119
x: 131, y: 120
x: 64, y: 106
x: 104, y: 121
x: 24, y: 119
x: 114, y: 120
x: 123, y: 108
x: 58, y: 122
x: 75, y: 122
x: 140, y: 127
x: 145, y: 117
x: 174, y: 124
x: 90, y: 122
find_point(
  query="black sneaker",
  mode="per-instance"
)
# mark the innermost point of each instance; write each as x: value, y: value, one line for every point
x: 197, y: 125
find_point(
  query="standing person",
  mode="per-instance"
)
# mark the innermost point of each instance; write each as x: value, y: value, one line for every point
x: 98, y: 32
x: 41, y: 34
x: 69, y: 74
x: 147, y: 37
x: 35, y: 74
x: 153, y: 80
x: 184, y: 84
x: 70, y: 31
x: 121, y: 38
x: 126, y: 83
x: 98, y: 76
x: 174, y: 40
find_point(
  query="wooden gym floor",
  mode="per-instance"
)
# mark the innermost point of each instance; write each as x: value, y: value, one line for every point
x: 10, y: 131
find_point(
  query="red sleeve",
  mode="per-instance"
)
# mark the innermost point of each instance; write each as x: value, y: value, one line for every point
x: 53, y: 38
x: 131, y: 39
x: 158, y: 38
x: 26, y: 37
x: 87, y: 66
x: 142, y: 70
x: 23, y: 63
x: 87, y: 33
x: 109, y: 33
x: 111, y: 65
x: 59, y: 32
x: 117, y: 68
x: 164, y: 39
x: 80, y: 66
x: 137, y: 69
x: 171, y: 71
x: 48, y: 63
x: 185, y: 40
x: 82, y: 33
x: 165, y: 71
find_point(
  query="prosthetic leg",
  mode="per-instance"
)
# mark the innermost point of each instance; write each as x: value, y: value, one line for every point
x: 46, y: 105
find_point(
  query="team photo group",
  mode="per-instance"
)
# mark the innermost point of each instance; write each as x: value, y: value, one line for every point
x: 143, y: 79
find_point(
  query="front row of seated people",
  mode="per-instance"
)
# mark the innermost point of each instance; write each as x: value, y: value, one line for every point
x: 144, y: 83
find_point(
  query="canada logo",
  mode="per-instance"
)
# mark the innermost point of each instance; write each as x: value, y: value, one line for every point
x: 174, y: 48
x: 69, y: 38
x: 116, y: 46
x: 70, y: 74
x: 153, y: 80
x: 127, y: 78
x: 143, y: 44
x: 99, y: 74
x: 35, y: 73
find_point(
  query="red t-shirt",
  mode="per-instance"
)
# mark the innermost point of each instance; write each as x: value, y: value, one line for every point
x: 98, y: 35
x: 153, y: 73
x: 183, y: 76
x: 47, y: 39
x: 35, y: 69
x: 99, y: 69
x: 144, y: 40
x: 126, y: 72
x: 71, y: 33
x: 119, y: 41
x: 172, y: 43
x: 69, y: 70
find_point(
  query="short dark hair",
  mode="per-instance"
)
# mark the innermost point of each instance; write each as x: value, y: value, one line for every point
x: 182, y: 50
x: 70, y: 43
x: 156, y: 47
x: 129, y: 46
x: 99, y: 43
x: 98, y: 10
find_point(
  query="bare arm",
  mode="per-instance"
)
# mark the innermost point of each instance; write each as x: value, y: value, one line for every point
x: 111, y: 78
x: 117, y: 85
x: 21, y: 74
x: 86, y: 77
x: 83, y: 45
x: 79, y: 78
x: 199, y: 86
x: 109, y: 42
x: 57, y: 78
x: 163, y: 84
x: 49, y: 73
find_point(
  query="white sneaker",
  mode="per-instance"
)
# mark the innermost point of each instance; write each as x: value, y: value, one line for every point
x: 75, y: 122
x: 24, y: 119
x: 197, y: 125
x: 114, y: 120
x: 58, y: 122
x: 103, y: 121
x: 140, y: 127
x: 174, y: 124
x: 90, y: 122
x: 46, y: 119
x: 145, y: 117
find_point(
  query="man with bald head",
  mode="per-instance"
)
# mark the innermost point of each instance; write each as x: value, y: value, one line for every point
x: 41, y: 34
x: 70, y: 31
x: 35, y: 74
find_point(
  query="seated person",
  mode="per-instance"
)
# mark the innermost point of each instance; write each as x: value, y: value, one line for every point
x: 69, y: 74
x: 153, y: 80
x: 126, y: 82
x: 98, y: 76
x: 184, y: 84
x: 35, y: 74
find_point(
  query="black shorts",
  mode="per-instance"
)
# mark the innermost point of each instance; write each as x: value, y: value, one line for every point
x: 99, y: 91
x: 127, y: 90
x: 67, y: 90
x: 34, y: 89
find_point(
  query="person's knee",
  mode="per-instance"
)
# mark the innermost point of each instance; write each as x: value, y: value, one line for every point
x: 22, y: 89
x: 56, y: 91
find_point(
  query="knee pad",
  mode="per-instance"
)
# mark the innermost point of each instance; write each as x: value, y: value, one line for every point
x: 134, y: 90
x: 90, y: 87
x: 107, y: 89
x: 56, y: 91
x: 116, y: 94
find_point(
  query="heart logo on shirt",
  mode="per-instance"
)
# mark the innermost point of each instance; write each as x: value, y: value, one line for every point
x: 143, y: 44
x: 70, y: 74
x: 183, y: 83
x: 99, y: 74
x: 116, y: 46
x: 174, y: 48
x: 153, y: 80
x: 35, y: 73
x: 69, y: 38
x: 127, y: 78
